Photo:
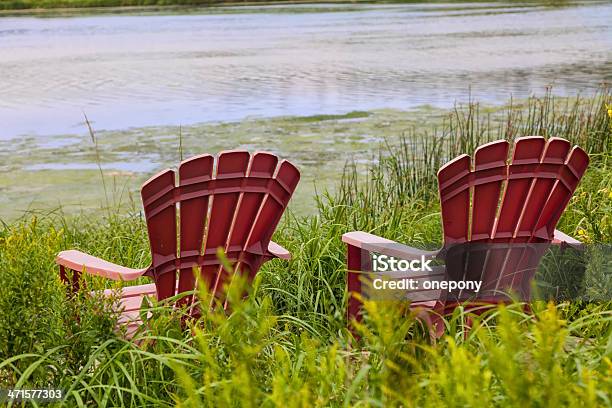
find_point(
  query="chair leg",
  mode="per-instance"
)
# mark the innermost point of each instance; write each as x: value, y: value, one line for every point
x: 353, y: 283
x: 357, y: 261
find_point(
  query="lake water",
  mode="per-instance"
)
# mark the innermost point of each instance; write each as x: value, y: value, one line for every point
x: 206, y: 65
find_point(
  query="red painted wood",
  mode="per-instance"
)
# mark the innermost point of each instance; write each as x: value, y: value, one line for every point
x: 354, y: 264
x: 489, y: 164
x: 490, y: 170
x: 231, y: 169
x: 526, y: 270
x: 281, y: 186
x: 158, y: 192
x: 526, y: 156
x: 539, y: 186
x: 194, y: 175
x: 129, y: 291
x: 521, y: 262
x: 512, y: 268
x: 567, y: 170
x: 453, y: 182
x: 357, y: 261
x: 501, y: 263
x: 495, y: 203
x: 261, y: 171
x: 233, y: 202
x: 130, y: 303
x: 569, y: 177
x: 552, y: 160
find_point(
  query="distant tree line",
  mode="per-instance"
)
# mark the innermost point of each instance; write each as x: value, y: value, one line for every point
x: 49, y: 4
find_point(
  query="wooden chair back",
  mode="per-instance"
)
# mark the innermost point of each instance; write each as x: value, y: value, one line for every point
x: 233, y: 201
x: 516, y: 202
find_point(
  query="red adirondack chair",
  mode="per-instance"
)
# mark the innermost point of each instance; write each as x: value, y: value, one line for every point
x: 235, y: 203
x: 515, y: 205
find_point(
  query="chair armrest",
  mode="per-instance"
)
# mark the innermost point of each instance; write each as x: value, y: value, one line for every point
x: 373, y: 243
x: 359, y: 245
x: 564, y: 239
x: 79, y: 261
x: 278, y: 251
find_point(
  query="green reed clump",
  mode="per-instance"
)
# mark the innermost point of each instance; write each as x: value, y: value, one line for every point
x: 407, y: 168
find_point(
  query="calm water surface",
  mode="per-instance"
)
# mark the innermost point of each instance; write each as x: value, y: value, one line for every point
x: 167, y: 69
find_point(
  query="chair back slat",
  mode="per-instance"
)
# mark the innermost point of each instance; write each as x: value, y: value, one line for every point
x: 261, y: 172
x: 489, y: 170
x: 160, y: 212
x: 525, y: 158
x: 262, y: 167
x: 489, y: 163
x: 194, y: 174
x: 453, y: 182
x: 232, y: 168
x: 280, y: 190
x: 543, y: 180
x: 562, y: 191
x: 232, y: 202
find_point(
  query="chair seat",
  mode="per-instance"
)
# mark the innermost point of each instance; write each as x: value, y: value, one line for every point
x: 128, y: 305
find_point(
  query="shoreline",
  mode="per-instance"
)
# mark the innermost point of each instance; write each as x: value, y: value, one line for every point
x: 179, y: 6
x: 220, y: 4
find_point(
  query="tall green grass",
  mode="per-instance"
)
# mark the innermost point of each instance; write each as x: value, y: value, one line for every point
x: 287, y: 344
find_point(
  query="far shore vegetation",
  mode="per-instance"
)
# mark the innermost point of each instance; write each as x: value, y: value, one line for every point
x: 72, y: 4
x: 126, y: 5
